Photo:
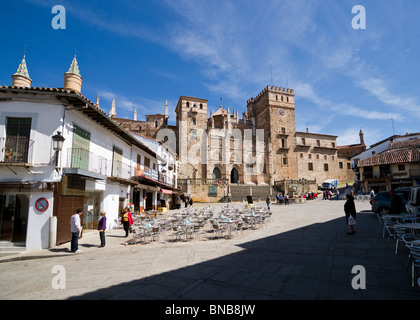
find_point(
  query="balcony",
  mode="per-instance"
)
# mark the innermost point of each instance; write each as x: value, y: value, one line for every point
x: 121, y: 170
x: 85, y: 163
x: 16, y: 151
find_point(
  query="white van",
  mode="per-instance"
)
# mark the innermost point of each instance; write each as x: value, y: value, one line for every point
x: 413, y: 204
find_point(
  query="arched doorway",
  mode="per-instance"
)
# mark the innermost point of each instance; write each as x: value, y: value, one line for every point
x: 234, y: 176
x: 217, y: 175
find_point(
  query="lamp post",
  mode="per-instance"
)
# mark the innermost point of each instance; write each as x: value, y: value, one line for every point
x: 58, y: 141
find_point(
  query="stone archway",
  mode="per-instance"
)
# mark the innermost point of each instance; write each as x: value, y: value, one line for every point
x: 234, y: 176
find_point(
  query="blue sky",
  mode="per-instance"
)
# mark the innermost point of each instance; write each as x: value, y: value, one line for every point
x: 145, y: 52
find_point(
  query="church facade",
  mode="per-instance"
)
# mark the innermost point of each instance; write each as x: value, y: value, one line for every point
x: 261, y: 147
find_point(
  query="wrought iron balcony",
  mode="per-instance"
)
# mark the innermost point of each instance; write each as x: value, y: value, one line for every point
x: 78, y: 158
x: 16, y: 151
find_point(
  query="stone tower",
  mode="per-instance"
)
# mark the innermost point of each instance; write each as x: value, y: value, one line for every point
x: 191, y: 120
x: 273, y: 111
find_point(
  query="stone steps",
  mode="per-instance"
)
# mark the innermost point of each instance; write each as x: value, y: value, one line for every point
x: 240, y: 192
x: 10, y: 248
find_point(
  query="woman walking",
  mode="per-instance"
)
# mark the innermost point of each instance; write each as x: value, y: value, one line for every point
x: 101, y: 228
x: 350, y: 211
x: 127, y: 220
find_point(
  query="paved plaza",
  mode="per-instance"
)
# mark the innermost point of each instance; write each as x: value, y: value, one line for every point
x: 303, y: 253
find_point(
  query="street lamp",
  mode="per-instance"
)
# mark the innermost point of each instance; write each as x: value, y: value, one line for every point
x: 58, y: 141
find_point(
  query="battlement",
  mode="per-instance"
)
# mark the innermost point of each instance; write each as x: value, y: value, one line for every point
x: 278, y: 90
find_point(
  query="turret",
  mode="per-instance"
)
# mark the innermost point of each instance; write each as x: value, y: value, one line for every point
x: 21, y: 77
x: 72, y: 78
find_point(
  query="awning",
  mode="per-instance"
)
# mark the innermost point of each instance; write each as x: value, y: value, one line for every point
x: 166, y: 191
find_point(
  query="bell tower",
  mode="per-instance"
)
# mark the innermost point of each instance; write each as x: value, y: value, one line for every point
x: 191, y: 122
x: 273, y: 111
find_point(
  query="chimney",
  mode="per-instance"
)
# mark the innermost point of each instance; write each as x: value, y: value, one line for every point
x: 21, y: 77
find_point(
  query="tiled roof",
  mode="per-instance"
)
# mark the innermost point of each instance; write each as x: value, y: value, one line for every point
x: 406, y: 155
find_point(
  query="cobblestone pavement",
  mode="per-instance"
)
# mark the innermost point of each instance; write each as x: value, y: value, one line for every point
x: 303, y: 253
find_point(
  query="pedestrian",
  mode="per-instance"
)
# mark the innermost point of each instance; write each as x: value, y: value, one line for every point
x: 350, y: 211
x: 101, y: 228
x: 286, y: 199
x: 397, y: 205
x: 338, y: 194
x: 127, y: 220
x: 268, y: 202
x: 75, y: 228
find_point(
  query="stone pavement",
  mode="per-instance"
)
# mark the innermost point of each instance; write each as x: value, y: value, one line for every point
x: 304, y: 253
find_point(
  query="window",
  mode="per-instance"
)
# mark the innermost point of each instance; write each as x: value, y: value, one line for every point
x: 325, y: 157
x: 156, y: 124
x: 154, y: 166
x: 333, y: 144
x: 310, y: 166
x: 138, y: 168
x: 318, y: 143
x: 17, y: 145
x: 340, y: 165
x: 117, y: 162
x: 317, y: 156
x: 188, y: 104
x: 283, y: 143
x: 325, y: 166
x: 301, y: 155
x: 201, y: 106
x: 146, y: 164
x: 283, y: 130
x: 310, y: 156
x: 333, y: 158
x: 194, y: 121
x: 285, y: 161
x: 348, y: 165
x: 80, y: 151
x: 401, y: 167
x: 303, y: 141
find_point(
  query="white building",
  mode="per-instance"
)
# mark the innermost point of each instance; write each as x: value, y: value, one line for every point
x: 98, y: 168
x: 388, y: 164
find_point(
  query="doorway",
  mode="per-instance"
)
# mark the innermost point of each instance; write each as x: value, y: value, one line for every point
x: 234, y: 176
x: 13, y: 217
x: 91, y: 211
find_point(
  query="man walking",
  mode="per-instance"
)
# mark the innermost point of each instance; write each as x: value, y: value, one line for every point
x: 76, y: 228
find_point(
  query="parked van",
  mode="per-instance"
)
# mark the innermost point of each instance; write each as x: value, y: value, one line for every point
x: 413, y: 204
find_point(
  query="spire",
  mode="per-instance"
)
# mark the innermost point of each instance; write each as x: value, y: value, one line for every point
x: 21, y: 77
x: 113, y: 112
x: 74, y: 67
x: 23, y: 69
x: 97, y: 101
x: 166, y: 108
x: 72, y: 78
x: 135, y: 113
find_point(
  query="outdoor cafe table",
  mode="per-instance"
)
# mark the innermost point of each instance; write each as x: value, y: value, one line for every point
x: 229, y: 223
x: 412, y: 226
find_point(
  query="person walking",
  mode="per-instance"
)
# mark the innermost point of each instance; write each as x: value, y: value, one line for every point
x: 101, y: 228
x: 268, y: 202
x: 350, y: 211
x: 338, y: 194
x: 127, y: 220
x: 75, y: 228
x: 397, y: 205
x: 286, y: 199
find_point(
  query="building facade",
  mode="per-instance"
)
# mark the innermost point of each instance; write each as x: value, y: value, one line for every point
x: 58, y: 153
x: 259, y: 148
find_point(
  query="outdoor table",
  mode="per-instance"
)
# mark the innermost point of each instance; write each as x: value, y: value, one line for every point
x: 230, y: 223
x: 412, y: 226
